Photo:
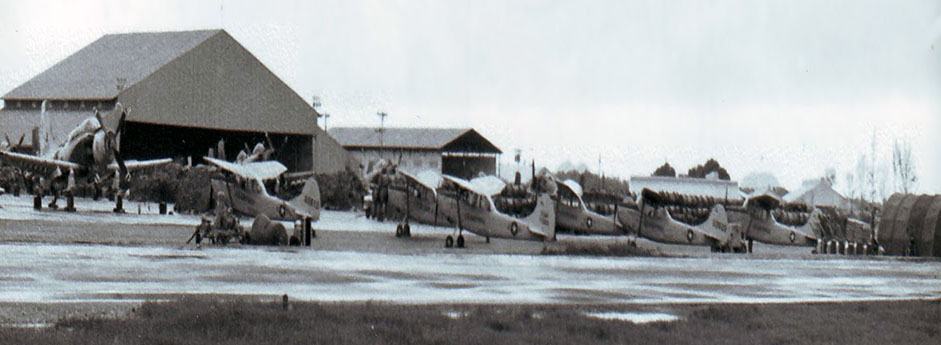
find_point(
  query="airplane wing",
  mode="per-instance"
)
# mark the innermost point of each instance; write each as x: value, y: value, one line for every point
x: 133, y: 165
x: 463, y: 184
x: 574, y: 186
x: 423, y: 180
x: 40, y: 165
x: 488, y: 185
x: 263, y: 170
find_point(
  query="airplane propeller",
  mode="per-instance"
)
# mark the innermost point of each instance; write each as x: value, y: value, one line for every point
x: 113, y: 141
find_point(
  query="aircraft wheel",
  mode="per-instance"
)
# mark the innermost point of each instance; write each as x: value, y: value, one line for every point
x: 449, y: 242
x: 460, y: 241
x: 488, y: 239
x: 407, y: 230
x: 398, y: 230
x: 633, y: 244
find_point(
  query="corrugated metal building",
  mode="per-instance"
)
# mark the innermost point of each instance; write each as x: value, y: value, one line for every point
x: 910, y: 225
x: 460, y: 152
x: 186, y: 91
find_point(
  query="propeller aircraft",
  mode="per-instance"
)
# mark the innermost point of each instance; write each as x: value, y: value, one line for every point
x: 91, y: 153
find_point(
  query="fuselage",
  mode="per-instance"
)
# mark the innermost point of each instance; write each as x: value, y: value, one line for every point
x: 658, y: 225
x: 477, y: 214
x: 573, y: 215
x: 419, y: 204
x: 760, y: 225
x: 249, y: 197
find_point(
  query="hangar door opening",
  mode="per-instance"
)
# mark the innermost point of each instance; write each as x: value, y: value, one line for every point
x: 468, y: 167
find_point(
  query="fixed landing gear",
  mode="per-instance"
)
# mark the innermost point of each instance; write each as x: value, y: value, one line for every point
x: 403, y: 230
x: 69, y: 201
x: 449, y: 241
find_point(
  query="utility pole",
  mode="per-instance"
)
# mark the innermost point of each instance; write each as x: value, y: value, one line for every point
x: 382, y: 128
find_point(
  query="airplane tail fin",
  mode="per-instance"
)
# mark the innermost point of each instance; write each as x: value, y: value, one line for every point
x: 543, y: 217
x: 309, y: 199
x: 718, y: 225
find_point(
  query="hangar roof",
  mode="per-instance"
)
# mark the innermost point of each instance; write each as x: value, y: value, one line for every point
x: 201, y: 79
x: 438, y: 139
x: 93, y: 72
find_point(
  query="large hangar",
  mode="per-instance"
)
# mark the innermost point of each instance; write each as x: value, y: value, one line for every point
x: 186, y: 92
x: 461, y: 152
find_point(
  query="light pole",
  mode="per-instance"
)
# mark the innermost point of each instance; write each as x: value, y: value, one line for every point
x: 382, y: 128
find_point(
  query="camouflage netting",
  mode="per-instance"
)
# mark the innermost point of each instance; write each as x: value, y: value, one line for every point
x: 910, y: 225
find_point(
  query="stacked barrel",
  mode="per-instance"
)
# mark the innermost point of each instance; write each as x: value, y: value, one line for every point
x: 515, y: 200
x: 693, y: 209
x: 604, y: 204
x: 793, y: 214
x: 909, y: 225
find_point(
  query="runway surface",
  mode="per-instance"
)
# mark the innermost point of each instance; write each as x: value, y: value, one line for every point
x: 81, y: 273
x: 94, y: 255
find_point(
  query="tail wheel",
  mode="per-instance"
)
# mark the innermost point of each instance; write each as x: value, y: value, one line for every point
x: 449, y: 242
x: 460, y: 241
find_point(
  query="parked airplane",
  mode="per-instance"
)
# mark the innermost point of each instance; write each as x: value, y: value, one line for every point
x: 243, y: 187
x: 415, y: 197
x: 760, y: 224
x: 652, y: 220
x: 573, y: 214
x: 472, y: 206
x: 91, y: 153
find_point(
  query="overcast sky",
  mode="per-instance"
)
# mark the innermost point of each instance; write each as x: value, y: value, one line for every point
x: 787, y: 87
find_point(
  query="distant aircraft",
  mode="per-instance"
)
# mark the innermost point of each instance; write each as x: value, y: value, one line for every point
x: 244, y: 189
x: 92, y: 154
x: 652, y: 220
x: 760, y: 224
x: 573, y: 214
x: 473, y: 208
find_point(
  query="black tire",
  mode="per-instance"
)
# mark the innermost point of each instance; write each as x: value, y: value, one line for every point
x: 449, y: 242
x: 460, y: 241
x: 408, y: 230
x: 398, y: 230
